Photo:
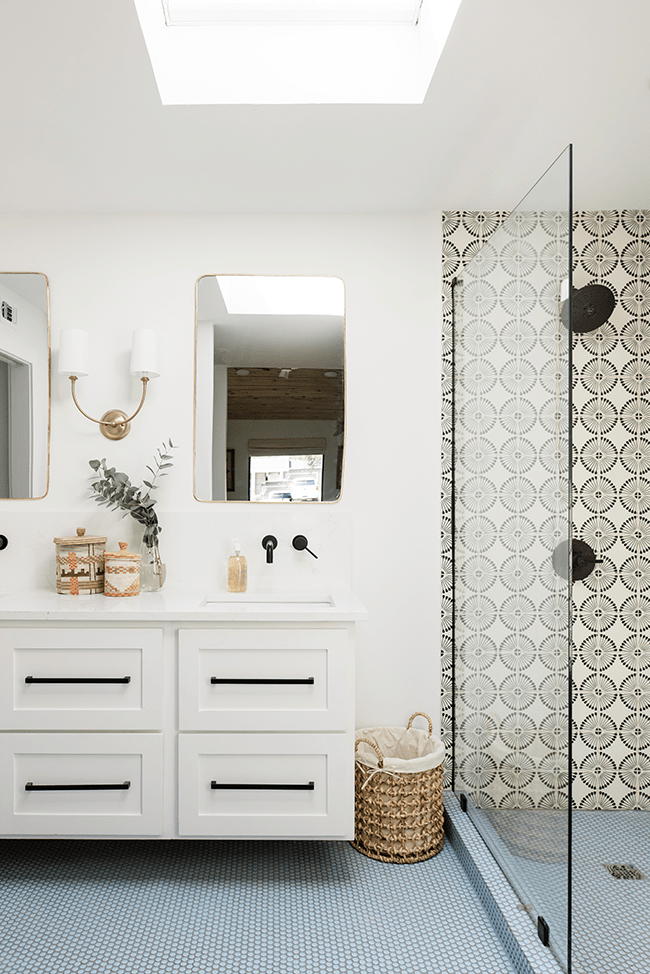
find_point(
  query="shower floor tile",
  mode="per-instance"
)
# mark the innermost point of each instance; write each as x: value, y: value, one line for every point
x: 611, y: 926
x: 611, y: 930
x: 89, y: 907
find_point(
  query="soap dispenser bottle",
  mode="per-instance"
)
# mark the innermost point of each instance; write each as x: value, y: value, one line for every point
x: 237, y: 570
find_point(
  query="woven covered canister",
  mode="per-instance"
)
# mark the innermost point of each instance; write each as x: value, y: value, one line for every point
x: 80, y: 564
x: 122, y: 572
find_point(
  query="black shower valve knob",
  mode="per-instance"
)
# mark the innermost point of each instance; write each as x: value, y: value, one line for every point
x: 4, y: 541
x: 583, y: 559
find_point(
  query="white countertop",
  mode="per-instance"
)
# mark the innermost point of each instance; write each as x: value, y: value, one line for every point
x: 183, y: 606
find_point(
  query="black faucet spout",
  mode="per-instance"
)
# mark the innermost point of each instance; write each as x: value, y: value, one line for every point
x: 270, y: 543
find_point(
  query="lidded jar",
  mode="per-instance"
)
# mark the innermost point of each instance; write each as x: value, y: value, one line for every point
x: 80, y: 564
x: 122, y: 569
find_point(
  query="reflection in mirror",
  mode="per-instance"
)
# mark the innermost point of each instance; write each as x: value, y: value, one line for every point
x: 269, y: 388
x: 24, y: 385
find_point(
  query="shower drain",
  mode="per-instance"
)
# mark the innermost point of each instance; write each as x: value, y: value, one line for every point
x: 623, y: 870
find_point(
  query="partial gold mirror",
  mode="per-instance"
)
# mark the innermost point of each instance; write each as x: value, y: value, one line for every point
x: 269, y: 410
x: 24, y: 385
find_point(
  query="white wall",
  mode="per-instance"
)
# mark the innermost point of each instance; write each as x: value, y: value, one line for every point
x: 112, y: 274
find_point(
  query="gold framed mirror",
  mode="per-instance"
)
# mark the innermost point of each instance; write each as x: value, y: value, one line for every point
x: 269, y: 391
x: 24, y: 385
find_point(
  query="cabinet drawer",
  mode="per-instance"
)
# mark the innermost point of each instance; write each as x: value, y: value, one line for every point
x: 80, y: 679
x: 266, y: 785
x: 265, y: 679
x: 81, y: 784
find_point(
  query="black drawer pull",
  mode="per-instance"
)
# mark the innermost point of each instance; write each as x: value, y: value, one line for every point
x: 221, y: 786
x: 308, y: 680
x: 124, y: 786
x: 77, y: 679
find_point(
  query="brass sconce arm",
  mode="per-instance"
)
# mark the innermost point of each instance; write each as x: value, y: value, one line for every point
x: 114, y: 424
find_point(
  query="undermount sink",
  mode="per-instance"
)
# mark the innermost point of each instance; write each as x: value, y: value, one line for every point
x: 300, y: 599
x: 335, y: 605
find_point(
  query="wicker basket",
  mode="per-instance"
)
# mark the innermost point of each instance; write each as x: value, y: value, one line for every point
x: 398, y: 814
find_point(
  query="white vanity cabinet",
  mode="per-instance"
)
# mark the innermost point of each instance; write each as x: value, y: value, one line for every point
x: 153, y: 721
x: 56, y: 679
x: 276, y: 709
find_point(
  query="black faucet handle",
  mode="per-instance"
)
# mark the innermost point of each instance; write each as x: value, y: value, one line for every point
x: 300, y: 544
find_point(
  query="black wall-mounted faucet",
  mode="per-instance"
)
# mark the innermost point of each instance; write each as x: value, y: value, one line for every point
x: 270, y: 543
x: 300, y: 544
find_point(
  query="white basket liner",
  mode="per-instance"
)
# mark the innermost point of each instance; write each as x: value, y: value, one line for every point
x: 408, y: 751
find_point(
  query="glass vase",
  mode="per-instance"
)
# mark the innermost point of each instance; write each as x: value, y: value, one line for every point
x: 152, y: 569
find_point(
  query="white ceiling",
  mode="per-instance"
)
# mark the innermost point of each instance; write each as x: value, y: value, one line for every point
x: 82, y: 128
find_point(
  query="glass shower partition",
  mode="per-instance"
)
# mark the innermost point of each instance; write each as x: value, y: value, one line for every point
x: 512, y: 531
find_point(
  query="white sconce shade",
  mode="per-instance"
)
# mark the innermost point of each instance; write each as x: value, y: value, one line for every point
x: 73, y: 352
x: 144, y: 354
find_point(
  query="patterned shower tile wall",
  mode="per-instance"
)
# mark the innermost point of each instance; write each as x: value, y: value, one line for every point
x: 512, y: 511
x: 611, y: 423
x: 463, y: 236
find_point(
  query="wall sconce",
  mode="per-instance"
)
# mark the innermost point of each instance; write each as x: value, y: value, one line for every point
x: 73, y: 362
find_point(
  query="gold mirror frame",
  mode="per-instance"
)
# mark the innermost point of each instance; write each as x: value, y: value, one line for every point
x: 49, y: 382
x: 341, y: 462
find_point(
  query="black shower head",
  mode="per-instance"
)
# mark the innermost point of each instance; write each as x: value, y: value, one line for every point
x: 591, y: 306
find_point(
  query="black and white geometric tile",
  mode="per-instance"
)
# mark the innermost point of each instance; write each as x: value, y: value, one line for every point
x: 498, y: 584
x: 512, y: 457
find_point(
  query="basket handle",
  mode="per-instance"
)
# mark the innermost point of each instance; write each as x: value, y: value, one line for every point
x: 420, y: 713
x: 375, y: 747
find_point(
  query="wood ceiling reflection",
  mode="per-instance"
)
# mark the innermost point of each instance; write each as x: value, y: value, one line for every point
x: 305, y: 394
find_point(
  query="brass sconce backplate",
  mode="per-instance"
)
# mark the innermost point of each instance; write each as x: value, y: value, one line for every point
x: 114, y: 424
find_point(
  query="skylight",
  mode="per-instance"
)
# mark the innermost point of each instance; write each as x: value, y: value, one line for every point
x: 293, y: 52
x: 247, y: 295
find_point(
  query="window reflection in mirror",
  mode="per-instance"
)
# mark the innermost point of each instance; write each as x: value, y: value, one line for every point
x: 24, y: 385
x: 269, y: 388
x: 294, y: 478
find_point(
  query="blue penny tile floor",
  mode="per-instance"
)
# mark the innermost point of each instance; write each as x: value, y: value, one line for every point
x: 135, y: 907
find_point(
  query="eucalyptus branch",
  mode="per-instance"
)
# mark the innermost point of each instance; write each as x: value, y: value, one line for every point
x: 114, y: 489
